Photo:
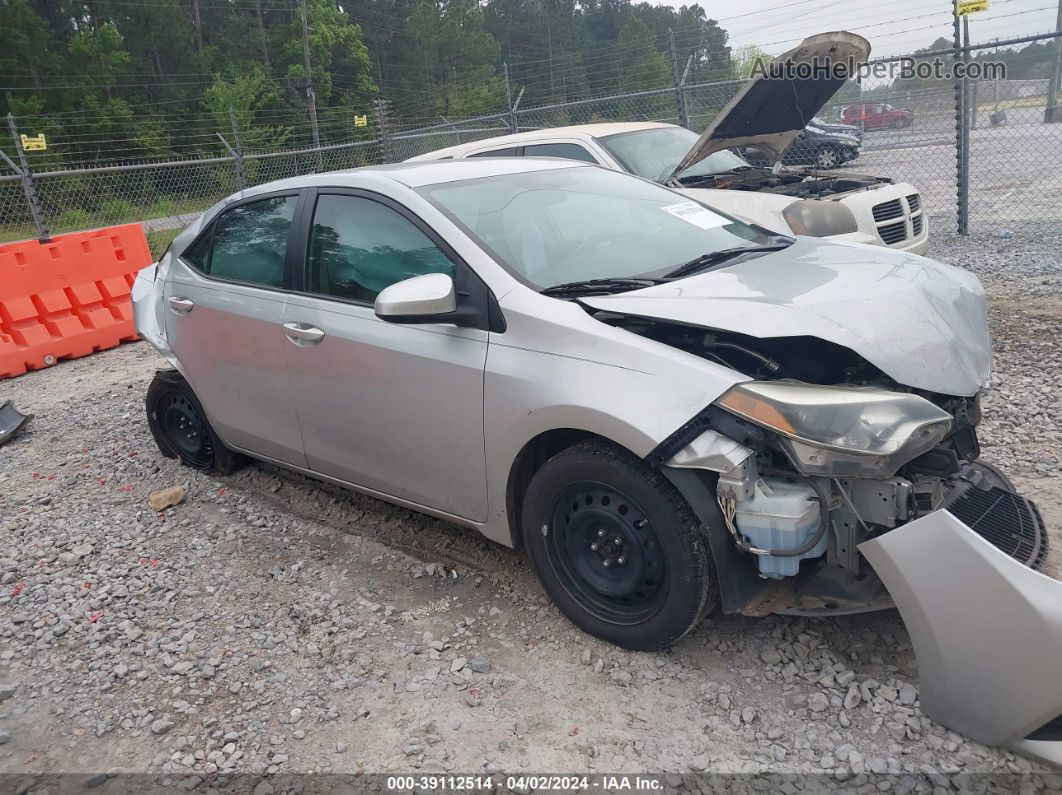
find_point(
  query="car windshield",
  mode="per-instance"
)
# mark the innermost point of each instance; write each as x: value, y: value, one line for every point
x: 654, y: 153
x: 564, y: 225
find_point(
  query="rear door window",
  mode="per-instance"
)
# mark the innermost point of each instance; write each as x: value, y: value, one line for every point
x: 565, y: 150
x: 249, y: 243
x: 507, y: 152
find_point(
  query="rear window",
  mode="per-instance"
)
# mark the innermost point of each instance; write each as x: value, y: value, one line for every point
x: 562, y: 150
x: 247, y: 243
x: 509, y: 152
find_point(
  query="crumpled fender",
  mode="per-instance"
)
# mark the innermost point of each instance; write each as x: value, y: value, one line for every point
x: 149, y: 306
x: 987, y: 631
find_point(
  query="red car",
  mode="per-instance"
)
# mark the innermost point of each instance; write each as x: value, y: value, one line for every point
x: 877, y: 115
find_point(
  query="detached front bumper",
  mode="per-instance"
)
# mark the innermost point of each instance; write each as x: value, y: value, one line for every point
x: 986, y: 630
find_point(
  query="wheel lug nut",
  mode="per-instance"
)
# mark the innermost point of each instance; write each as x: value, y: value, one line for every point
x: 621, y: 560
x: 600, y: 533
x: 594, y: 546
x: 605, y: 563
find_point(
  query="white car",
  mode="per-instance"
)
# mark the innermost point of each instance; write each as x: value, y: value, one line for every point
x: 840, y: 205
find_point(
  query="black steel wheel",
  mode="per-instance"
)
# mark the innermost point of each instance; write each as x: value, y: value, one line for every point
x: 607, y: 554
x: 616, y: 547
x: 181, y: 429
x: 185, y: 430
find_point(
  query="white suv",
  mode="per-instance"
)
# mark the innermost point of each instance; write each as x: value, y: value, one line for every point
x: 840, y: 205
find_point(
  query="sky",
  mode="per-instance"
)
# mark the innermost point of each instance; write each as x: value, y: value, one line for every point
x: 894, y: 27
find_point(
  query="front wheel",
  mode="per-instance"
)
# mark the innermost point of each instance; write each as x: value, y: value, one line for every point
x: 617, y: 548
x: 901, y: 122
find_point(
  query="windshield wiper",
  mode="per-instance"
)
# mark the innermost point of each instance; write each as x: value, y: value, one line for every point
x: 603, y: 286
x: 714, y: 258
x: 684, y: 178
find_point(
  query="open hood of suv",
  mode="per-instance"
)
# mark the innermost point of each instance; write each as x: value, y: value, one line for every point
x: 771, y: 109
x: 920, y: 322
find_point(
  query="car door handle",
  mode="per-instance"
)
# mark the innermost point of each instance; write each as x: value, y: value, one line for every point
x: 303, y: 333
x: 182, y: 306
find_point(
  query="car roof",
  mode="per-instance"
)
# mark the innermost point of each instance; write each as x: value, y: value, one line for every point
x: 415, y: 175
x: 595, y: 130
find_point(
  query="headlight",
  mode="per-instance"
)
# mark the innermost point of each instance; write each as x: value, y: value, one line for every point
x: 819, y: 218
x: 841, y: 431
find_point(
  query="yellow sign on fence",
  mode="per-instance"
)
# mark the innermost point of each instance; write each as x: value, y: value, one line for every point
x: 35, y: 143
x: 964, y: 7
x: 361, y: 121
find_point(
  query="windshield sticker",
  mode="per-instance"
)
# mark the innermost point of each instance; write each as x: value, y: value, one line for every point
x: 693, y: 213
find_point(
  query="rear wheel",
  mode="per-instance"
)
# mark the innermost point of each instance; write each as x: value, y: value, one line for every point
x: 181, y: 429
x: 901, y: 122
x: 616, y: 547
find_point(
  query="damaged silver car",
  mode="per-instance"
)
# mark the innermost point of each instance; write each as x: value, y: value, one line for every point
x: 671, y: 410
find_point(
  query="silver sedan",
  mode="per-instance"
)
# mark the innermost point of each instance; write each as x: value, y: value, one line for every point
x: 668, y: 408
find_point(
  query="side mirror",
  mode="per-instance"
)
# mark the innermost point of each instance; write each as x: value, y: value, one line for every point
x: 421, y: 299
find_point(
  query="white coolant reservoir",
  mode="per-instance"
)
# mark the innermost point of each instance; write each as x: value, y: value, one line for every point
x: 781, y: 514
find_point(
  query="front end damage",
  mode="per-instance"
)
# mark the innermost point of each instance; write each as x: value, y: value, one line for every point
x: 834, y: 488
x: 945, y: 539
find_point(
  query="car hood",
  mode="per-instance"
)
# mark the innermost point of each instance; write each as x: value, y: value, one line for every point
x: 918, y: 321
x: 769, y: 112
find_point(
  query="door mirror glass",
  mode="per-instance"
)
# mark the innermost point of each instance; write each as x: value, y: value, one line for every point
x: 422, y: 299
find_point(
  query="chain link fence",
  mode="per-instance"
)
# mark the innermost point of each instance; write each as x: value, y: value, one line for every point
x: 1002, y: 168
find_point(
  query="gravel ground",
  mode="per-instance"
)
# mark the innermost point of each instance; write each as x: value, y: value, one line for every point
x: 270, y: 625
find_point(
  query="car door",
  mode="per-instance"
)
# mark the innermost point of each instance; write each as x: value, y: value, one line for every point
x: 390, y: 407
x: 225, y: 299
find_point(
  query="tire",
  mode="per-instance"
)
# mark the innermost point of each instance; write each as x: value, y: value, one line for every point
x: 901, y: 122
x: 617, y: 548
x: 827, y: 157
x: 180, y: 427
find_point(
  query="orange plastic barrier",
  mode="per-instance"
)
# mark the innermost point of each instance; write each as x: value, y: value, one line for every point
x: 68, y: 297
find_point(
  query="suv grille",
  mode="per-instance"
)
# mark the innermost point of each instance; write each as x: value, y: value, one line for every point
x: 898, y: 219
x: 886, y: 211
x: 893, y: 233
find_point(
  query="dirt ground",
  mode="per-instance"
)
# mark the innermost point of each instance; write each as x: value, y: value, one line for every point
x: 270, y: 624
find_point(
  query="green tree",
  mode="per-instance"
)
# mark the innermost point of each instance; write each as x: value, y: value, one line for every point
x: 342, y: 71
x: 458, y: 57
x: 639, y: 65
x: 246, y: 95
x: 745, y: 59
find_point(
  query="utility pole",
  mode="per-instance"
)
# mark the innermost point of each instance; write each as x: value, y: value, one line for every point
x: 1052, y: 114
x: 310, y: 99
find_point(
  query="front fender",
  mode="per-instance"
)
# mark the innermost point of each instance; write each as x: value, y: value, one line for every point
x: 558, y: 368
